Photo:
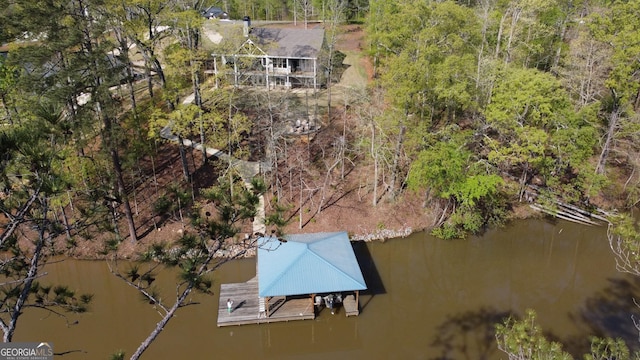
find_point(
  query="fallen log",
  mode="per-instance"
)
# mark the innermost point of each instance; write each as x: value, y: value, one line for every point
x: 573, y: 207
x: 579, y: 219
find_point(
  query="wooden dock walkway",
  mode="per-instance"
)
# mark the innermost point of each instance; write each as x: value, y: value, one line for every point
x: 246, y: 307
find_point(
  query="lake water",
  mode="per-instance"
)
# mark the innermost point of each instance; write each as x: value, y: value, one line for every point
x: 427, y: 299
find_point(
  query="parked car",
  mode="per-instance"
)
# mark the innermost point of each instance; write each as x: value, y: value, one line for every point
x: 215, y: 13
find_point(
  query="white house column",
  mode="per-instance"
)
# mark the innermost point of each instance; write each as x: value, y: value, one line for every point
x: 266, y: 71
x: 315, y: 73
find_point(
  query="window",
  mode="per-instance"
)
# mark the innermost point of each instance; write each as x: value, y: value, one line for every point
x: 279, y: 63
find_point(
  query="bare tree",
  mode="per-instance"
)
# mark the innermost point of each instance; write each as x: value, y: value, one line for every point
x: 612, y: 129
x: 585, y: 70
x: 624, y: 241
x: 195, y: 255
x: 336, y: 10
x: 302, y: 6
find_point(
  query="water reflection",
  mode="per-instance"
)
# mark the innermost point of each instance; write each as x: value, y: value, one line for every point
x: 469, y: 335
x: 608, y: 311
x: 427, y: 299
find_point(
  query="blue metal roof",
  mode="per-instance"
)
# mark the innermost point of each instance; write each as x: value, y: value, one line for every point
x: 307, y: 264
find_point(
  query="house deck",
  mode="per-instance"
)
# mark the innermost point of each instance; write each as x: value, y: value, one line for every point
x: 246, y: 307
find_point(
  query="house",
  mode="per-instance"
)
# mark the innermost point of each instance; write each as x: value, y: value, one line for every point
x: 273, y: 57
x: 296, y: 276
x: 214, y: 13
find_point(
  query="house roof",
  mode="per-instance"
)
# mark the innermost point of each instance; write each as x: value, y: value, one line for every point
x: 294, y: 43
x: 307, y: 264
x: 274, y: 42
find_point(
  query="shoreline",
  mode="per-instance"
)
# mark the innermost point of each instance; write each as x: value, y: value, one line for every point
x: 380, y: 235
x: 385, y: 234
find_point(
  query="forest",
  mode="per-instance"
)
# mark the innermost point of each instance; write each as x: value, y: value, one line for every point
x: 498, y: 98
x: 475, y: 108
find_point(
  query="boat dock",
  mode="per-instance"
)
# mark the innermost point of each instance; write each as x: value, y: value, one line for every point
x: 285, y: 289
x: 248, y: 309
x: 246, y: 306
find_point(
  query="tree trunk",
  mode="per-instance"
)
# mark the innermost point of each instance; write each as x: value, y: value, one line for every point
x: 374, y: 155
x: 396, y: 161
x: 132, y: 94
x: 158, y: 68
x: 183, y: 159
x: 481, y: 51
x: 124, y: 51
x: 198, y: 101
x: 563, y: 31
x: 344, y: 134
x: 151, y: 62
x: 102, y: 99
x: 10, y: 328
x: 523, y: 181
x: 514, y: 23
x: 18, y: 218
x: 482, y: 97
x: 613, y: 123
x: 193, y: 41
x: 155, y: 176
x: 147, y: 72
x: 122, y: 194
x: 587, y: 82
x: 161, y: 324
x: 300, y: 204
x: 336, y: 18
x: 65, y: 221
x: 500, y: 30
x: 325, y: 184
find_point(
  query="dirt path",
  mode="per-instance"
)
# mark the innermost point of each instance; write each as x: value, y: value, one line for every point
x: 247, y: 169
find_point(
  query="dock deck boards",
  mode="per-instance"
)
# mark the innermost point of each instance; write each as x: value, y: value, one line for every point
x: 350, y: 306
x: 246, y: 307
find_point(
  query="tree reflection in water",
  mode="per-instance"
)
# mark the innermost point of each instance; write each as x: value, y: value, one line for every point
x: 468, y: 335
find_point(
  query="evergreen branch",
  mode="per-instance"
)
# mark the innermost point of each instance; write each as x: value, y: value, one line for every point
x: 19, y: 217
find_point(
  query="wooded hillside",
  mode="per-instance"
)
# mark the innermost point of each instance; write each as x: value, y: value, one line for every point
x: 470, y: 109
x: 486, y: 98
x: 474, y: 107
